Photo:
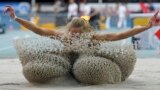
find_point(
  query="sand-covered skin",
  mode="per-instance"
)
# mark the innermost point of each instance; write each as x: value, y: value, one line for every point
x: 146, y: 76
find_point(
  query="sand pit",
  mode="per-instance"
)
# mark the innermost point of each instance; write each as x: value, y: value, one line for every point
x: 146, y: 76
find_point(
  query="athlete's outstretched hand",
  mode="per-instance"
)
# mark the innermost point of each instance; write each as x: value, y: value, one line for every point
x: 154, y: 21
x: 10, y: 10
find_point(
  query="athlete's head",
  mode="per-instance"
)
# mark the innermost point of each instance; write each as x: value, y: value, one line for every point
x: 79, y: 25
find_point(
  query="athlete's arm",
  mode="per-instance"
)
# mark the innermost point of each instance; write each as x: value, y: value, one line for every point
x: 36, y: 29
x: 154, y: 21
x: 121, y: 35
x: 31, y: 26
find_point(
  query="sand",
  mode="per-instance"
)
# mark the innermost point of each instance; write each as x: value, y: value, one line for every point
x: 146, y: 76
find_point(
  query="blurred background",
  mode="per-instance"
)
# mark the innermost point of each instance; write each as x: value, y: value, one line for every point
x: 104, y: 15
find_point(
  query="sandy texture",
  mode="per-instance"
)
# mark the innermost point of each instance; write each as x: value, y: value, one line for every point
x: 146, y: 76
x: 101, y: 62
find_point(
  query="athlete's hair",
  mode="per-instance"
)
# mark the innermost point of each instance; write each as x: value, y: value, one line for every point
x: 80, y: 22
